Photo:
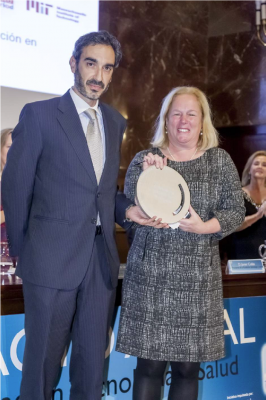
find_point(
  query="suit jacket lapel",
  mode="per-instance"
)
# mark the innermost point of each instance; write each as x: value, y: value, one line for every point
x: 70, y: 122
x: 110, y: 125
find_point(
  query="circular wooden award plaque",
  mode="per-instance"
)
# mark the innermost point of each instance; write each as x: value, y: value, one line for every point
x: 163, y: 193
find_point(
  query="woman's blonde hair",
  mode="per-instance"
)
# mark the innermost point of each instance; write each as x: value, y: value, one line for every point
x: 209, y: 137
x: 246, y: 175
x: 4, y: 135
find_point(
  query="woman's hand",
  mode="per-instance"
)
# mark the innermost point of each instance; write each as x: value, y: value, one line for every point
x: 262, y: 210
x: 251, y: 219
x: 195, y: 224
x: 137, y: 215
x: 154, y: 159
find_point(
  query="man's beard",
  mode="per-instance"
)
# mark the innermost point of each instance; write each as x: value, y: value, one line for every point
x: 81, y: 88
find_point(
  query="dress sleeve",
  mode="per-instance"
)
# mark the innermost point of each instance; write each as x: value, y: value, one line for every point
x: 230, y: 211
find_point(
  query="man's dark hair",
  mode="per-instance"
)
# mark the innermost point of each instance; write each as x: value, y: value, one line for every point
x: 93, y: 38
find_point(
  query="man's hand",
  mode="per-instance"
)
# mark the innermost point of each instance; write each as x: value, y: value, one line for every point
x: 137, y: 215
x: 153, y: 159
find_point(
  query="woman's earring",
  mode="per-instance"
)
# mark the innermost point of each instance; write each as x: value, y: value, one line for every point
x: 201, y: 133
x: 166, y: 131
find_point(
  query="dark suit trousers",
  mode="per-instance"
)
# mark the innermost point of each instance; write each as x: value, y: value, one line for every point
x: 53, y: 317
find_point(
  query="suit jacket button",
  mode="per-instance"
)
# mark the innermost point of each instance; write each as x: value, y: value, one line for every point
x: 93, y: 220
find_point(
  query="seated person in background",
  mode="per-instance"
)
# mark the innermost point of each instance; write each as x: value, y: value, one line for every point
x: 6, y: 141
x: 251, y: 234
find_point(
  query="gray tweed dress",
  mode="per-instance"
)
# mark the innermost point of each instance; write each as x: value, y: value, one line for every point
x: 172, y: 307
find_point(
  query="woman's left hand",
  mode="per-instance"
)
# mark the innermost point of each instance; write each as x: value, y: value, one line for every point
x: 193, y: 224
x: 154, y: 159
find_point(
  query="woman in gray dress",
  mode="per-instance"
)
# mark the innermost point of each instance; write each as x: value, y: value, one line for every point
x: 172, y: 307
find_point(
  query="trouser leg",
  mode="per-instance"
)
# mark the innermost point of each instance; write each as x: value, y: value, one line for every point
x: 184, y: 383
x: 48, y: 318
x: 148, y: 379
x: 95, y: 303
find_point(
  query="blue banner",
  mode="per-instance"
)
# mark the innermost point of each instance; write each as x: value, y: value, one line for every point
x: 240, y: 375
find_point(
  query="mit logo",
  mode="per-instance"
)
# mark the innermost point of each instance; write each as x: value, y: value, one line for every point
x: 39, y: 7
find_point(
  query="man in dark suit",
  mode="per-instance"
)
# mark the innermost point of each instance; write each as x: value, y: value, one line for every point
x: 60, y: 200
